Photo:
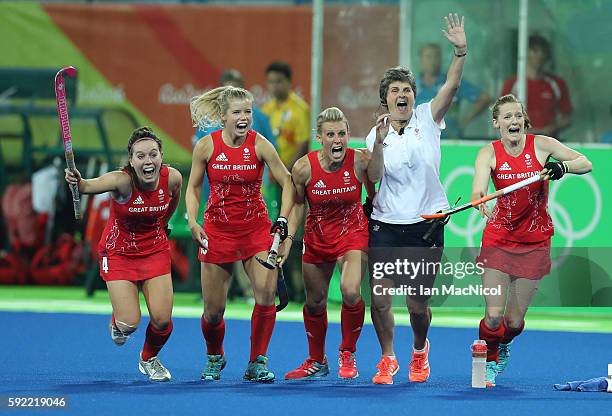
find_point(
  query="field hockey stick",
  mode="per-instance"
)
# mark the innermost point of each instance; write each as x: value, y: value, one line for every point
x: 281, y: 289
x: 62, y: 113
x: 484, y: 199
x: 270, y: 262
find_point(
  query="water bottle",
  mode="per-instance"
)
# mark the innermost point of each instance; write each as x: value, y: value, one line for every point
x: 479, y: 364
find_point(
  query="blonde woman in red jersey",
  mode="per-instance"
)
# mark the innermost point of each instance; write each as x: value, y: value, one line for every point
x: 236, y: 225
x: 133, y: 249
x: 336, y: 232
x: 516, y: 240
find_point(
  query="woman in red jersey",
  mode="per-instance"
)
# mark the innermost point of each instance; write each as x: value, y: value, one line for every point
x: 516, y: 240
x: 236, y: 225
x: 336, y: 232
x: 133, y: 250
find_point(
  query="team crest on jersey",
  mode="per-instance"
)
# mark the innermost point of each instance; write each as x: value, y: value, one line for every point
x: 138, y: 201
x: 528, y: 160
x: 221, y: 157
x: 161, y: 195
x: 320, y: 184
x: 246, y: 155
x: 347, y: 177
x: 505, y: 166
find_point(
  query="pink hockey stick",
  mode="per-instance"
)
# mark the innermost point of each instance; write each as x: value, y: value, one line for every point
x: 62, y: 113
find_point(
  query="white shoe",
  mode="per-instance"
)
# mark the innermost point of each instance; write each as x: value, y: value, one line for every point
x: 154, y: 369
x: 117, y: 336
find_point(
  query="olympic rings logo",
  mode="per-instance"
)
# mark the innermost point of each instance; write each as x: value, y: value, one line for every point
x: 561, y: 217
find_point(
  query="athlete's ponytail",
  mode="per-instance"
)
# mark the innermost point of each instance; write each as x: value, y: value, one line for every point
x: 207, y: 109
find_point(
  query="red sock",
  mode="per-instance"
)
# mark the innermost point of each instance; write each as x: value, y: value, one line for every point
x: 493, y: 338
x: 316, y: 329
x: 262, y: 325
x: 154, y: 341
x: 351, y: 322
x: 511, y: 333
x: 213, y: 334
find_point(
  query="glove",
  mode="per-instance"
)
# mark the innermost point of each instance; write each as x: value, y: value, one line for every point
x: 280, y: 226
x: 556, y: 170
x: 368, y: 207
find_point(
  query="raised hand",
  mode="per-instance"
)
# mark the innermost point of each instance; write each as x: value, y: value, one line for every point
x: 455, y: 32
x: 382, y: 127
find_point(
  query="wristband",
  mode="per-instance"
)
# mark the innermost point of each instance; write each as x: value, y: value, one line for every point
x: 460, y: 55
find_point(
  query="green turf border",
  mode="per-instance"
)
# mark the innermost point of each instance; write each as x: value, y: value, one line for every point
x: 189, y: 305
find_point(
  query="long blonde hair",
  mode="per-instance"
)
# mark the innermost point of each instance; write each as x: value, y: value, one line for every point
x: 330, y: 114
x: 207, y: 109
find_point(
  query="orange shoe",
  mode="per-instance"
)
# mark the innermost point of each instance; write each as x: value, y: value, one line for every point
x: 419, y: 366
x: 387, y: 368
x: 347, y: 365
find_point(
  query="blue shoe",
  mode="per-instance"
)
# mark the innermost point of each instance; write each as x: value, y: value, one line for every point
x: 504, y: 357
x: 215, y: 364
x: 257, y: 371
x: 491, y: 373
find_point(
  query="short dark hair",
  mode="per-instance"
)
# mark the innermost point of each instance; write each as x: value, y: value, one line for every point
x: 539, y: 41
x: 231, y: 75
x: 399, y: 73
x: 282, y: 67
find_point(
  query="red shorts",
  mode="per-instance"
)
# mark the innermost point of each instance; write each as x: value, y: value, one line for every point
x: 526, y: 260
x: 316, y: 253
x: 118, y: 267
x: 228, y: 246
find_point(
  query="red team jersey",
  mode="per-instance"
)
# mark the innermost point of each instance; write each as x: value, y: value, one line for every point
x: 134, y: 245
x: 519, y: 223
x: 236, y: 218
x: 335, y: 222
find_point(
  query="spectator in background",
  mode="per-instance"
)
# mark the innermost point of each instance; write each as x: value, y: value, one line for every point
x: 290, y: 118
x: 261, y: 123
x: 431, y: 79
x: 289, y: 114
x: 548, y: 100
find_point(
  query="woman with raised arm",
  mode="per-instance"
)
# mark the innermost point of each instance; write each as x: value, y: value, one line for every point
x: 133, y: 249
x: 409, y: 187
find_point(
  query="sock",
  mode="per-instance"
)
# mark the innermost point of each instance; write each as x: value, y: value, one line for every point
x: 316, y: 329
x: 421, y: 350
x: 351, y: 319
x: 154, y: 341
x: 213, y: 334
x: 262, y: 325
x: 493, y: 338
x: 511, y: 333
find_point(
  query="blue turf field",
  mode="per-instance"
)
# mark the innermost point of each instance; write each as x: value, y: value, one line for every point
x: 72, y: 355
